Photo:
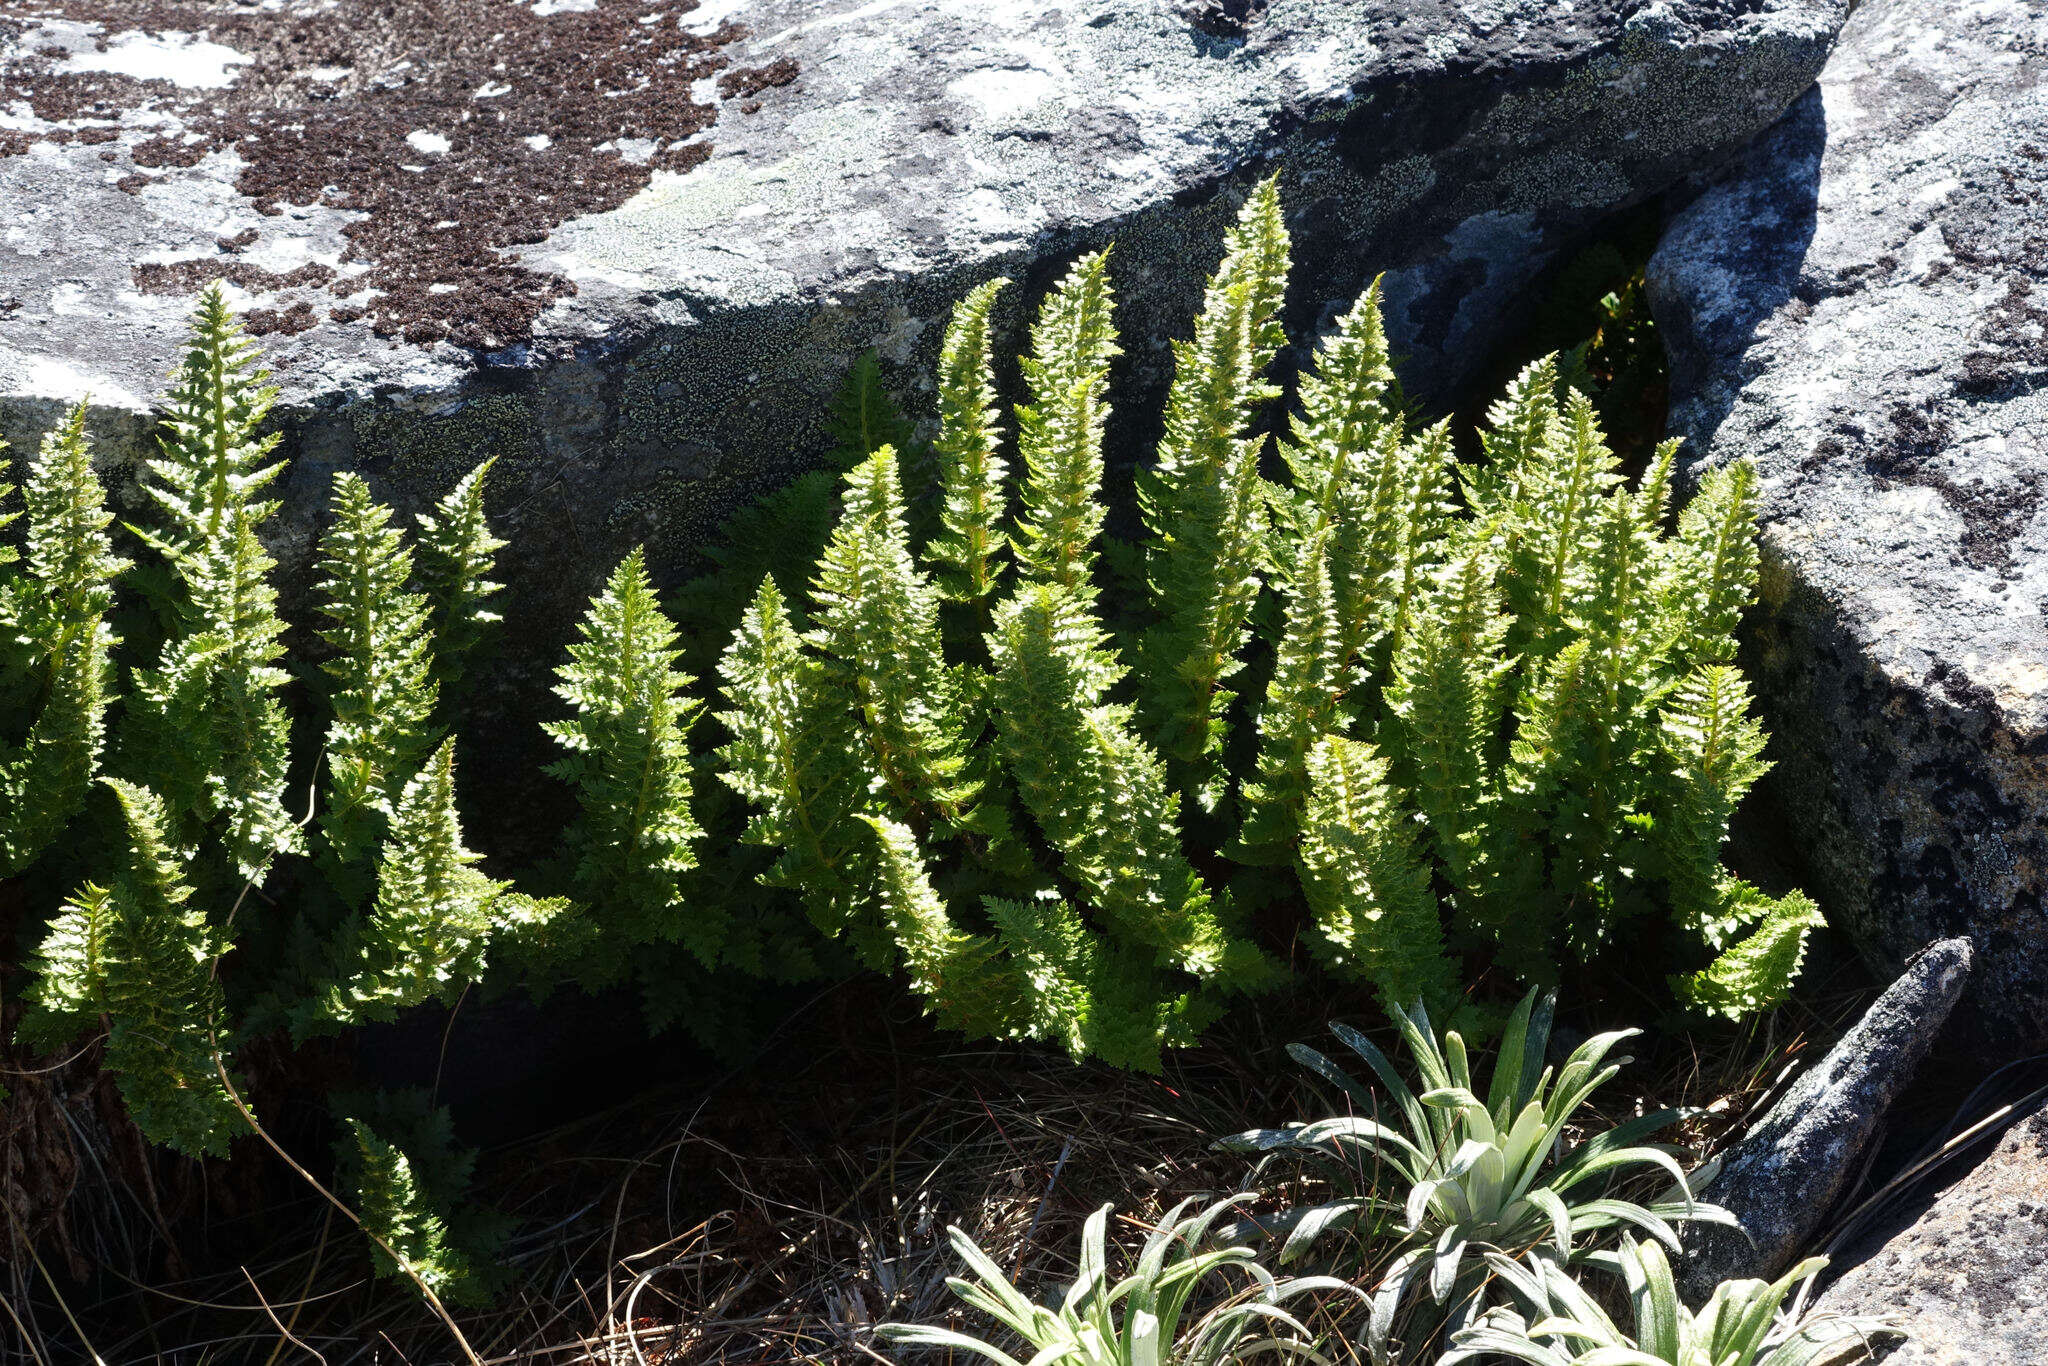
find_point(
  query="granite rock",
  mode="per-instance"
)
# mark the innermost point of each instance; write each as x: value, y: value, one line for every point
x: 1859, y: 308
x: 1782, y: 1178
x: 1965, y: 1276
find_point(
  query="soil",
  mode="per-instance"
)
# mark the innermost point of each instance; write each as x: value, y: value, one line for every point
x: 518, y: 120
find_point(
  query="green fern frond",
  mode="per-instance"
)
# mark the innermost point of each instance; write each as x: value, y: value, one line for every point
x: 383, y: 691
x: 877, y: 625
x: 1713, y: 750
x: 57, y: 609
x: 457, y: 555
x: 1714, y: 577
x: 138, y: 954
x: 212, y: 465
x: 1059, y: 432
x: 629, y: 761
x: 1309, y: 678
x: 864, y: 418
x: 1203, y: 502
x: 408, y: 1238
x: 973, y: 492
x: 1757, y: 973
x: 795, y: 757
x: 1375, y: 917
x: 960, y: 977
x: 428, y: 932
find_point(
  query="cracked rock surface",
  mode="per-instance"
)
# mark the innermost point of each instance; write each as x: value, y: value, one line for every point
x: 667, y: 349
x: 1860, y: 309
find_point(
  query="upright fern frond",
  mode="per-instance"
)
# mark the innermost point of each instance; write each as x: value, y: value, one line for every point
x: 457, y: 554
x: 426, y: 936
x: 973, y: 492
x: 1714, y: 751
x: 1098, y: 792
x: 795, y: 757
x: 964, y: 984
x: 1368, y: 890
x: 864, y: 419
x: 211, y: 469
x: 207, y: 723
x: 1203, y: 502
x: 1301, y: 707
x: 1059, y: 432
x: 1756, y: 973
x: 384, y: 693
x: 878, y: 627
x: 57, y: 610
x: 629, y: 760
x: 407, y: 1237
x: 138, y: 954
x: 1714, y: 576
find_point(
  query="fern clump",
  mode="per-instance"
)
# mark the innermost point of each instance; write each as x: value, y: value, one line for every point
x: 55, y: 610
x: 1492, y: 708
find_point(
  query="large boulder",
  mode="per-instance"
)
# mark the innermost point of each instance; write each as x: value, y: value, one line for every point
x: 632, y: 248
x: 1964, y: 1275
x: 1859, y: 308
x: 1784, y: 1176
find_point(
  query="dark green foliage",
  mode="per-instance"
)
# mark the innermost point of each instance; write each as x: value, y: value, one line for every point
x: 408, y: 1237
x: 54, y: 612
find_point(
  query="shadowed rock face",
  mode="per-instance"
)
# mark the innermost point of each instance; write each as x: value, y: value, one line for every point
x: 869, y: 162
x: 1860, y: 310
x: 1965, y: 1274
x: 1782, y: 1179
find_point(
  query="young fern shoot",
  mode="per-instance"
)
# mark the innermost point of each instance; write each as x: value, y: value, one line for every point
x: 456, y: 557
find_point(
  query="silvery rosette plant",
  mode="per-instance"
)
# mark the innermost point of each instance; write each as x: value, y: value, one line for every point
x: 1144, y: 1318
x: 1452, y: 1176
x: 1738, y: 1326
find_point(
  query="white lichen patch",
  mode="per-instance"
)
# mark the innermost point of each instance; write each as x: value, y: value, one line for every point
x: 180, y: 58
x: 432, y: 144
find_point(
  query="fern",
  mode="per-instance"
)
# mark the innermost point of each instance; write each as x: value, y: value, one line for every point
x: 1203, y: 499
x: 457, y: 555
x: 58, y: 609
x: 628, y: 759
x: 435, y: 915
x: 383, y: 691
x: 1755, y: 973
x: 407, y: 1237
x: 1059, y: 433
x: 137, y: 954
x: 1301, y: 706
x: 206, y: 723
x: 962, y: 981
x: 973, y: 497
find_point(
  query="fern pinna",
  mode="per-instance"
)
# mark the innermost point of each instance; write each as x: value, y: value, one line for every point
x: 1498, y: 714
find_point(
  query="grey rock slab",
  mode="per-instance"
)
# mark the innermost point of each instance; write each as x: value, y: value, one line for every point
x: 923, y: 148
x: 1783, y: 1176
x: 1966, y: 1276
x: 1859, y: 308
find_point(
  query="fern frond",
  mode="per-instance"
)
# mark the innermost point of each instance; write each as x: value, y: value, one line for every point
x: 457, y: 555
x: 1309, y: 678
x: 428, y: 932
x: 1757, y: 973
x: 794, y: 755
x: 212, y: 468
x: 57, y: 609
x: 137, y: 953
x: 878, y: 629
x: 1714, y: 576
x: 1098, y: 792
x: 973, y: 492
x: 960, y: 977
x: 1203, y: 502
x: 1375, y: 918
x: 864, y: 418
x: 1713, y: 750
x: 629, y: 761
x: 383, y: 691
x: 1059, y: 432
x: 408, y: 1237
